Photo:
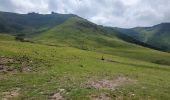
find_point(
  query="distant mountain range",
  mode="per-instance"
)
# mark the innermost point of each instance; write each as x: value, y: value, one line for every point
x: 71, y: 30
x: 157, y: 36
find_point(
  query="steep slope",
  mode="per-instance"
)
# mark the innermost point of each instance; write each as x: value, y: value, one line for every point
x: 157, y: 36
x: 78, y: 32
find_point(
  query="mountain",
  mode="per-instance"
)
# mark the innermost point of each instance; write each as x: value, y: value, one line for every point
x: 69, y: 30
x: 57, y: 29
x: 79, y: 32
x: 157, y: 36
x: 14, y: 23
x: 32, y: 24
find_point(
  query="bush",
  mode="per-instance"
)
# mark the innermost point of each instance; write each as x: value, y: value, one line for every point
x: 20, y: 37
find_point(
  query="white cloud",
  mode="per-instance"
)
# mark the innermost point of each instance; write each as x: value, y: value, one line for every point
x: 120, y: 13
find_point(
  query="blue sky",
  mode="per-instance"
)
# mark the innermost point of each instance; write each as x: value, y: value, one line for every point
x: 116, y: 13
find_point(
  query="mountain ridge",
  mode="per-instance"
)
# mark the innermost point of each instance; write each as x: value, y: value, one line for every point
x: 34, y: 24
x: 29, y: 23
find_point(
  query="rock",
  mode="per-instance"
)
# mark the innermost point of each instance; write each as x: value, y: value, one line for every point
x: 61, y: 90
x: 1, y: 67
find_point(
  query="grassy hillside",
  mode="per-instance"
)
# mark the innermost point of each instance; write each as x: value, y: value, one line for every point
x: 79, y: 60
x: 79, y: 33
x: 37, y: 71
x: 157, y: 36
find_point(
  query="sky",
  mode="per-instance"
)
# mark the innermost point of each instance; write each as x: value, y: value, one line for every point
x: 115, y: 13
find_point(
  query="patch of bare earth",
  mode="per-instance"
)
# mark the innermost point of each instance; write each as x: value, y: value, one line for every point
x: 110, y: 84
x: 57, y: 96
x: 119, y: 98
x: 100, y: 97
x: 11, y: 94
x: 11, y: 65
x: 5, y: 65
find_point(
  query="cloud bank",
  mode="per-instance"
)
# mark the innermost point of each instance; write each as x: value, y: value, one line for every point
x: 116, y: 13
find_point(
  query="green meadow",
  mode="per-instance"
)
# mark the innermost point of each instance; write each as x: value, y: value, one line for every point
x: 37, y: 71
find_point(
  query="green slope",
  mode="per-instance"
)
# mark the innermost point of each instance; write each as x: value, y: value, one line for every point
x: 80, y: 33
